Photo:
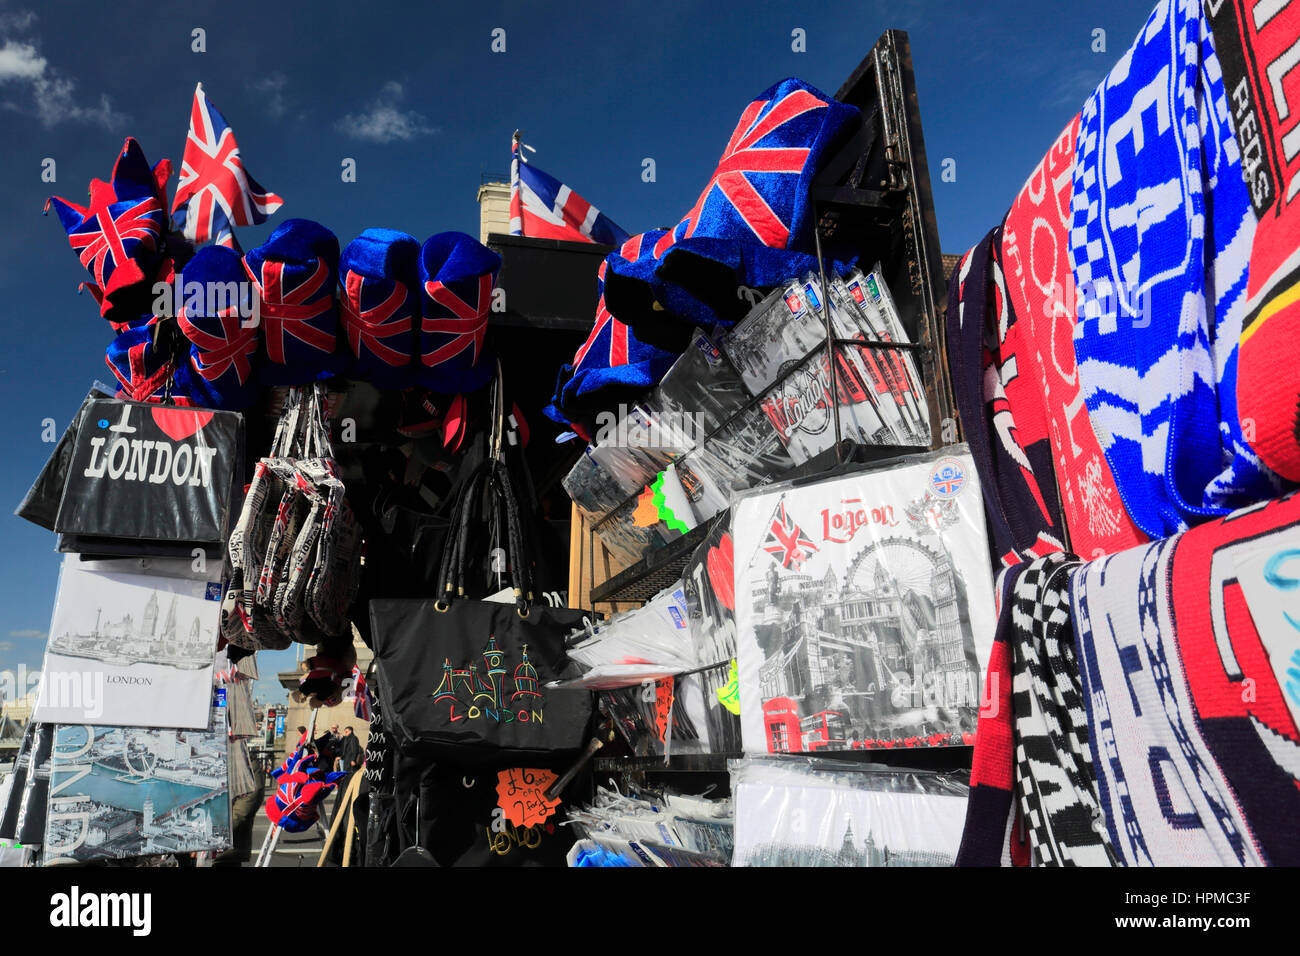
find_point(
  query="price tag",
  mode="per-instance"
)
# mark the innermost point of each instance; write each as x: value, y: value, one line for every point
x: 663, y: 706
x: 521, y: 794
x: 729, y: 693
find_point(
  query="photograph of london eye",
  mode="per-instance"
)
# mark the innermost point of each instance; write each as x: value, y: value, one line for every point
x: 121, y: 792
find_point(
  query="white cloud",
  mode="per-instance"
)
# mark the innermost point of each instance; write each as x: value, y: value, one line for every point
x: 30, y: 634
x: 6, y: 645
x: 53, y: 94
x: 385, y: 121
x: 20, y: 61
x: 271, y: 88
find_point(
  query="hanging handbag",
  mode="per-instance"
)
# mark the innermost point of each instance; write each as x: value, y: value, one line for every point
x: 151, y: 473
x: 466, y: 680
x: 295, y: 551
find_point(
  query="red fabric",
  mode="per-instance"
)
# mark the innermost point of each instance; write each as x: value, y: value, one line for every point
x: 1040, y: 285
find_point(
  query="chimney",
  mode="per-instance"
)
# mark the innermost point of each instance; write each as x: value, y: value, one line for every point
x: 493, y: 209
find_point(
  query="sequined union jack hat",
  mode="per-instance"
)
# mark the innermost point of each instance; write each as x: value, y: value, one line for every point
x: 118, y: 234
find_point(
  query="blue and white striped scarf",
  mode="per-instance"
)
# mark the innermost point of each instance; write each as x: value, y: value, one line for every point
x: 1160, y: 246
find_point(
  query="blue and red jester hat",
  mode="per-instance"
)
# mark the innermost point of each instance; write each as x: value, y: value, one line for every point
x: 295, y: 273
x: 380, y: 306
x: 457, y: 274
x: 302, y: 785
x: 118, y: 235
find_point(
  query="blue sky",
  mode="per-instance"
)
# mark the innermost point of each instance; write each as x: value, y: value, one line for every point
x: 415, y: 95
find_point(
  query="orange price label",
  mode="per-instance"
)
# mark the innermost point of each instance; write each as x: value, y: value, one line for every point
x: 663, y: 705
x: 521, y: 793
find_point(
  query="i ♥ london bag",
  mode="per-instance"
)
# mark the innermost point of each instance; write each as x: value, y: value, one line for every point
x: 466, y: 680
x: 153, y: 473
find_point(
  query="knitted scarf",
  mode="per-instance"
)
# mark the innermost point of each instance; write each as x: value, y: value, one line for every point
x: 1256, y: 53
x: 994, y: 833
x: 1001, y: 410
x: 1197, y: 756
x: 1160, y: 227
x: 1040, y: 290
x: 1054, y: 776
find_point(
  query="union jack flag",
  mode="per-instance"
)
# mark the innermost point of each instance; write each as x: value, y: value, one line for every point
x: 290, y: 310
x: 543, y: 207
x: 786, y: 541
x: 757, y: 191
x: 215, y: 191
x: 117, y: 236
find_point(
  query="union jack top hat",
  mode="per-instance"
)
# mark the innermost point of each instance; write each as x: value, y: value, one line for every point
x: 380, y: 306
x: 223, y: 340
x: 457, y: 274
x: 295, y: 273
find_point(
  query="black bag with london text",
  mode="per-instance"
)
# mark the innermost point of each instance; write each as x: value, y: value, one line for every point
x: 152, y: 472
x: 465, y: 680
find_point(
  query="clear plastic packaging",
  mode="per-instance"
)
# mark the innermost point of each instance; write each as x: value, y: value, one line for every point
x: 701, y: 390
x: 708, y: 582
x: 864, y: 607
x: 815, y: 812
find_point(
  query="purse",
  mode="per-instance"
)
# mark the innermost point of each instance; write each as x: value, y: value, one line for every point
x: 152, y: 473
x: 296, y: 550
x: 466, y: 680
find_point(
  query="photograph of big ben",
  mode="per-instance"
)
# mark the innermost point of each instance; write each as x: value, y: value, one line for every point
x: 864, y: 610
x: 130, y: 649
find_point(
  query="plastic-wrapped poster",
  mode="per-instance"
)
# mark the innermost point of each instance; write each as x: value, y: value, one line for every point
x: 780, y: 330
x: 119, y: 792
x: 864, y: 608
x: 709, y: 584
x: 789, y: 816
x: 799, y: 406
x: 130, y: 649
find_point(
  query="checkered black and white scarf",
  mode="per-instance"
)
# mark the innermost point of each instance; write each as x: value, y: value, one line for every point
x: 1054, y: 779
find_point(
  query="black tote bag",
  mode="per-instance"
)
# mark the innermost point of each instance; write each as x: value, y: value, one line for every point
x: 152, y: 472
x: 465, y: 680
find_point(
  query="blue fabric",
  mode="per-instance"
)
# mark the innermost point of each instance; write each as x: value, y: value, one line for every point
x: 1160, y: 225
x: 144, y: 374
x: 380, y: 307
x: 756, y: 198
x: 223, y: 342
x: 612, y: 363
x: 133, y: 201
x: 457, y: 274
x: 296, y: 272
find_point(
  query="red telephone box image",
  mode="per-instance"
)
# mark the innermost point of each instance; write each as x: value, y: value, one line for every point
x: 781, y: 719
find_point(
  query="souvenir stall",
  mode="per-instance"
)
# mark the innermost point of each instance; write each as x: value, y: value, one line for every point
x: 838, y: 559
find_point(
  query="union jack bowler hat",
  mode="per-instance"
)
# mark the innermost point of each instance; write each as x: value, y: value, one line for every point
x: 219, y: 325
x: 380, y: 306
x: 294, y: 274
x: 117, y: 236
x: 457, y: 274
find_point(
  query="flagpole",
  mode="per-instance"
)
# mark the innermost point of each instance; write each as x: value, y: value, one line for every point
x: 516, y: 201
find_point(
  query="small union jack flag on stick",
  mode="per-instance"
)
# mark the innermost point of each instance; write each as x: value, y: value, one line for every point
x: 216, y: 192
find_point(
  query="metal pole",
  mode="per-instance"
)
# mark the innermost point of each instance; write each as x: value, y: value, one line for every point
x: 830, y: 340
